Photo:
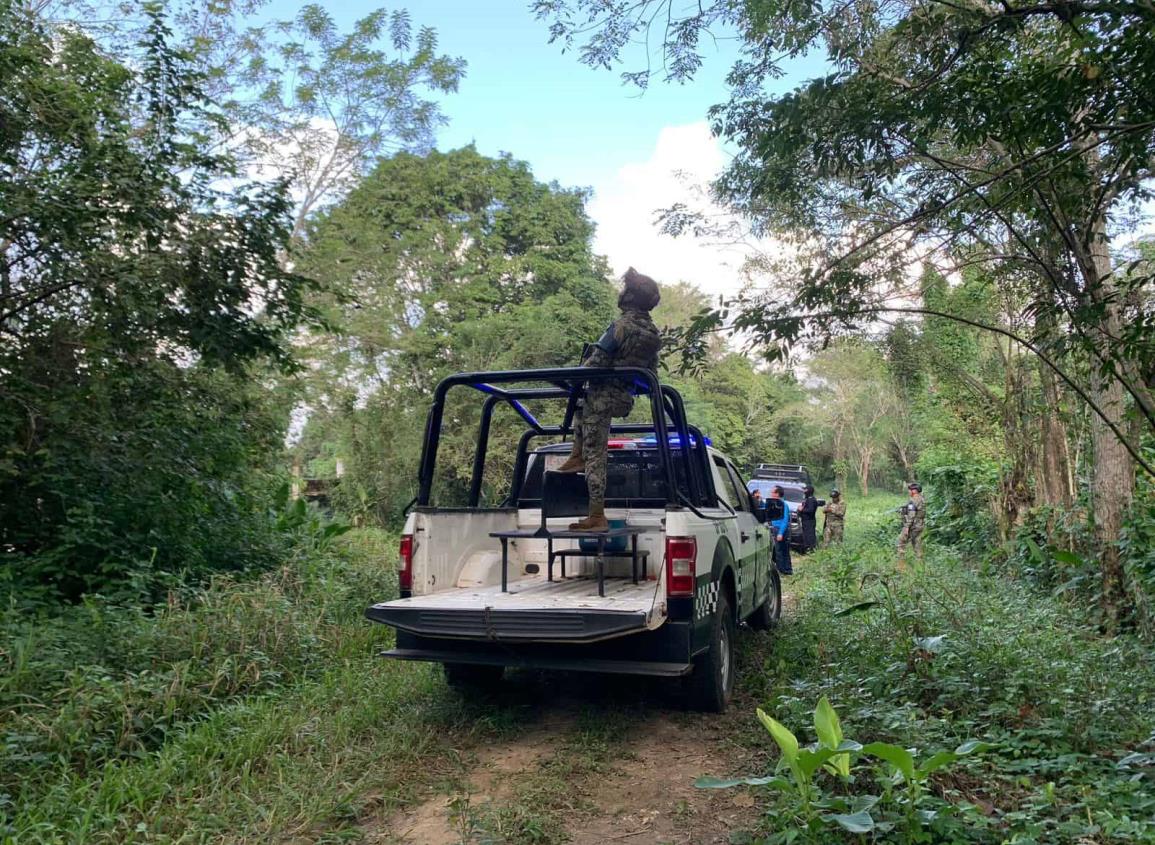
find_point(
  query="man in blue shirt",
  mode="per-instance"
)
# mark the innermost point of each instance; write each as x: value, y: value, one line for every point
x: 782, y: 533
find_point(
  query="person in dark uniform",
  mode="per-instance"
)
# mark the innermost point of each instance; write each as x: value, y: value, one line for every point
x: 808, y: 516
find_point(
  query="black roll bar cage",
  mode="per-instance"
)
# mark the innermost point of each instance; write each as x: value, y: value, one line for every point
x: 567, y: 383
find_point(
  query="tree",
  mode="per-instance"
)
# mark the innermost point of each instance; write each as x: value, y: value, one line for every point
x: 860, y: 403
x: 994, y: 133
x: 302, y: 98
x: 442, y: 263
x: 328, y: 104
x: 138, y: 295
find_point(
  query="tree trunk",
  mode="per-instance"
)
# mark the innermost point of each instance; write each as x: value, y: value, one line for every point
x: 839, y: 457
x: 1113, y: 479
x: 1054, y: 460
x: 1016, y: 497
x: 864, y: 461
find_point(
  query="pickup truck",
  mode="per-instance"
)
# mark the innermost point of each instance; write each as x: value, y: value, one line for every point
x: 489, y: 586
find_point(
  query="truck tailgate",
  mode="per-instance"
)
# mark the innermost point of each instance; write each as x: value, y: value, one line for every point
x: 534, y: 609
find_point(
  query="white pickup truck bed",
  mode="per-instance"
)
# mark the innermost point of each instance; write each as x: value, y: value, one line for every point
x: 537, y: 593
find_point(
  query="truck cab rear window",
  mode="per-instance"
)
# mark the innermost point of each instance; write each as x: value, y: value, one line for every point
x: 633, y: 478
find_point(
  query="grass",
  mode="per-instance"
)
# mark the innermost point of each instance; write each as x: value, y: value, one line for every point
x: 250, y: 712
x: 259, y: 711
x: 948, y: 652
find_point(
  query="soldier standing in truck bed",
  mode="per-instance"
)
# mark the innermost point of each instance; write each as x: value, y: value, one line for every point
x: 632, y: 340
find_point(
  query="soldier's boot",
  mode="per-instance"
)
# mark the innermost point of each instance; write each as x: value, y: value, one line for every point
x: 595, y: 522
x: 574, y: 463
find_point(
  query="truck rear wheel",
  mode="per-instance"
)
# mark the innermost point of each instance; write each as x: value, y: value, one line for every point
x: 768, y: 613
x: 712, y: 682
x: 472, y: 677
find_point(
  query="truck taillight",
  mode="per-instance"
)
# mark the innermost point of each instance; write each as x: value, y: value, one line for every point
x: 681, y: 565
x: 405, y: 573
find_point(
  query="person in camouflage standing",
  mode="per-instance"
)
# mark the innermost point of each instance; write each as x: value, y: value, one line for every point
x: 834, y: 519
x: 632, y: 340
x: 913, y: 522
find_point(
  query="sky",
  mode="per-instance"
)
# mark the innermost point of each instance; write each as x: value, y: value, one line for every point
x: 637, y: 152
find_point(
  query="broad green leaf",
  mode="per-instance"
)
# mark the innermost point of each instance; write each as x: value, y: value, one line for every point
x: 860, y: 822
x: 972, y: 746
x: 811, y: 759
x: 826, y: 724
x: 927, y: 816
x: 942, y: 758
x: 862, y: 803
x: 1069, y: 558
x: 898, y: 757
x: 936, y: 762
x: 787, y: 742
x: 829, y: 730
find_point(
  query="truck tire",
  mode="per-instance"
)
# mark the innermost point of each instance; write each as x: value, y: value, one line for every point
x: 711, y: 684
x: 767, y: 614
x: 472, y: 677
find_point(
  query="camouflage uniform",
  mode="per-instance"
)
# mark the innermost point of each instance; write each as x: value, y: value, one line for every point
x: 637, y: 344
x: 913, y: 522
x: 835, y: 520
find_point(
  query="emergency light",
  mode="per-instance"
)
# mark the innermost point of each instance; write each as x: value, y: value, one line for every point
x: 675, y: 440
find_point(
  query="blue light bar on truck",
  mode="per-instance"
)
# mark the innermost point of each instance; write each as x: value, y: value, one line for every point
x: 675, y: 441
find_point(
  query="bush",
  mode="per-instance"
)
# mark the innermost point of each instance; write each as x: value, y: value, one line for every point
x: 134, y: 479
x: 959, y: 496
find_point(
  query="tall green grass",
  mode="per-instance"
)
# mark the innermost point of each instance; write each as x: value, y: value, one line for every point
x: 242, y: 713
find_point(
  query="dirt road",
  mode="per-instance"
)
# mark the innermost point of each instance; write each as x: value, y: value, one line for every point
x: 600, y: 760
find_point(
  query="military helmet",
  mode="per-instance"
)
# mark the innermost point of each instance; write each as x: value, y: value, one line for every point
x: 641, y: 291
x: 835, y: 493
x: 914, y: 485
x: 808, y: 490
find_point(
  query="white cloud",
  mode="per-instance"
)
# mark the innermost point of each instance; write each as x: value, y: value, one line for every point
x: 684, y: 161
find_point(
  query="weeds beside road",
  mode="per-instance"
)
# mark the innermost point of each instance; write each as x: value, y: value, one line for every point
x: 259, y: 711
x: 951, y: 652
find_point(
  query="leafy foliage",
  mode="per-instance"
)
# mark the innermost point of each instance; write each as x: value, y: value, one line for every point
x: 443, y: 263
x: 141, y: 292
x: 1011, y: 137
x: 931, y: 660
